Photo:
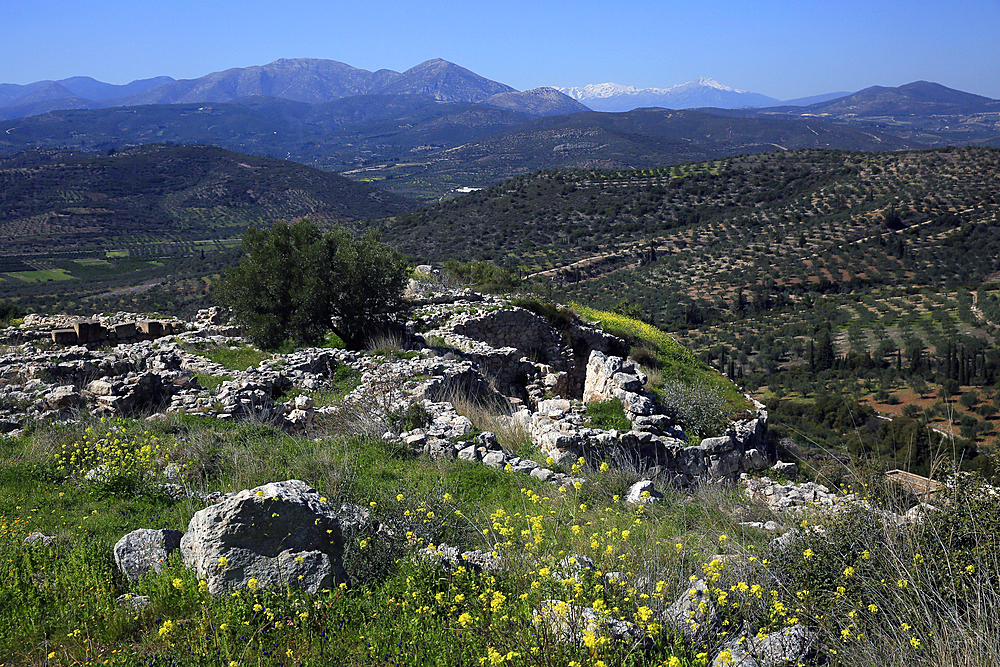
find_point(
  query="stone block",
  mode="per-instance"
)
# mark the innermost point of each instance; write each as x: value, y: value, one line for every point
x: 65, y: 337
x: 152, y: 328
x: 125, y: 331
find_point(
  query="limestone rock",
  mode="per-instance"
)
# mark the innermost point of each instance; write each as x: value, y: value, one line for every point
x: 642, y: 493
x: 145, y: 550
x: 568, y: 622
x: 789, y: 470
x: 280, y: 534
x: 39, y: 539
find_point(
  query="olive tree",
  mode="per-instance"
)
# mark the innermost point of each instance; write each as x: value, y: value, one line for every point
x: 296, y: 282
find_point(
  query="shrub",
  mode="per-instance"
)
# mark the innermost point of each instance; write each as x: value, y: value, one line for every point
x: 699, y: 408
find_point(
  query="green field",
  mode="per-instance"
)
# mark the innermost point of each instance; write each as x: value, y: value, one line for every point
x: 42, y: 276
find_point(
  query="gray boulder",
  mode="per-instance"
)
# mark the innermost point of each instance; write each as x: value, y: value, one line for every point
x: 690, y: 616
x: 145, y: 550
x: 568, y: 622
x: 789, y: 647
x: 281, y: 534
x: 37, y: 539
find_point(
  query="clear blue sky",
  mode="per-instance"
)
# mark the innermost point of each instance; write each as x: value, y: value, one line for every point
x: 781, y: 48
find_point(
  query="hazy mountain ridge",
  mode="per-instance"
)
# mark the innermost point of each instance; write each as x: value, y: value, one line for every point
x: 310, y: 80
x: 921, y: 111
x: 543, y: 101
x: 420, y: 147
x: 81, y: 87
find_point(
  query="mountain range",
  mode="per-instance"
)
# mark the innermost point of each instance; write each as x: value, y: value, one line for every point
x: 438, y: 127
x: 308, y: 80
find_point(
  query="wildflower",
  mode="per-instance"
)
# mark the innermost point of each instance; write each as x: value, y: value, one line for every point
x: 167, y: 628
x: 222, y: 562
x: 873, y: 608
x: 362, y: 544
x: 848, y: 571
x: 808, y: 553
x: 914, y: 642
x: 252, y: 583
x: 723, y: 538
x: 447, y: 497
x: 465, y: 619
x: 202, y: 586
x: 604, y: 466
x: 970, y: 569
x: 178, y: 584
x: 917, y: 559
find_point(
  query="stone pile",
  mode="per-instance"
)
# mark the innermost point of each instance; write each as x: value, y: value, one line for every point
x: 783, y: 497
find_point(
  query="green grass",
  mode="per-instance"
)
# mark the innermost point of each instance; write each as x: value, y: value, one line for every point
x: 402, y: 614
x: 57, y: 605
x: 607, y: 415
x: 236, y: 357
x: 42, y: 276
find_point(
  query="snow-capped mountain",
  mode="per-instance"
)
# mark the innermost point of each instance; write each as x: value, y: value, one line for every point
x: 701, y: 93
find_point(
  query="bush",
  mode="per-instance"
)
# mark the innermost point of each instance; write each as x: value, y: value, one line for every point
x: 481, y: 274
x: 699, y: 408
x: 297, y: 283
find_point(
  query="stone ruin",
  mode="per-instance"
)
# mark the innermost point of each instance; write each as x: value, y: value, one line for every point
x: 541, y: 373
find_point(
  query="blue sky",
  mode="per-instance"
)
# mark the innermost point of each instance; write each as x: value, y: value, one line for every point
x: 781, y: 48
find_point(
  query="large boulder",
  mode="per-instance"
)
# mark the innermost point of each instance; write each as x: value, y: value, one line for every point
x: 145, y: 550
x: 281, y: 534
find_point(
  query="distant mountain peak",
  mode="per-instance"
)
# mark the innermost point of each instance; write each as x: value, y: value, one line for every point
x: 702, y: 92
x: 706, y: 82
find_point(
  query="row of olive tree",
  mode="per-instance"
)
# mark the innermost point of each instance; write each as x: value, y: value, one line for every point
x: 297, y: 282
